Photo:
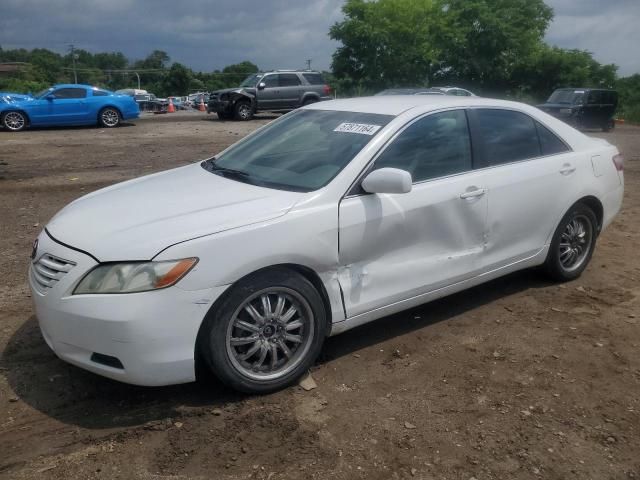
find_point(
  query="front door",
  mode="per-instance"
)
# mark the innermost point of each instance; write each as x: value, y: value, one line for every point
x: 394, y: 247
x: 67, y: 106
x: 268, y: 97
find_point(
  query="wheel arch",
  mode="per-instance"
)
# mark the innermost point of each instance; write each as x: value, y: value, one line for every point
x: 109, y: 105
x: 594, y: 204
x: 307, y: 272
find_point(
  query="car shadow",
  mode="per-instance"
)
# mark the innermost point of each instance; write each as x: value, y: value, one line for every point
x: 77, y: 397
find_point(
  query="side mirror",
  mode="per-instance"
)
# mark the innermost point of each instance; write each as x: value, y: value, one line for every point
x: 50, y: 97
x: 261, y: 86
x: 387, y: 180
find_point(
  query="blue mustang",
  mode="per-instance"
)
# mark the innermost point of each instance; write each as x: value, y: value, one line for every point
x: 68, y: 104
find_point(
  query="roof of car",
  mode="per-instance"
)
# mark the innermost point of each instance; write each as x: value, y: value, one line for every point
x: 397, y: 104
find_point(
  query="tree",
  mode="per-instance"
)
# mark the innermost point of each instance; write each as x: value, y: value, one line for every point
x: 385, y: 43
x: 177, y: 80
x: 415, y: 42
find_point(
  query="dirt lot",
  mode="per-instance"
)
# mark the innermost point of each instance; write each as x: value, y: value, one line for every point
x: 516, y: 379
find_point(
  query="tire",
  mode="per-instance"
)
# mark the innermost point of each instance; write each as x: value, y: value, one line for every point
x: 242, y: 111
x: 238, y: 346
x: 572, y: 244
x: 224, y: 115
x: 309, y: 101
x: 109, y: 117
x: 610, y: 125
x: 14, y: 121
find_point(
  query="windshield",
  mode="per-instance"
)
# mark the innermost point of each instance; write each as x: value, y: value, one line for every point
x: 251, y: 80
x: 302, y: 151
x: 42, y: 93
x: 566, y: 96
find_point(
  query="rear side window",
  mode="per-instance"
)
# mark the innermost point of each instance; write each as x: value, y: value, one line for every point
x: 313, y: 78
x: 70, y: 93
x: 506, y: 136
x: 100, y: 93
x: 434, y: 146
x: 550, y: 144
x: 288, y: 80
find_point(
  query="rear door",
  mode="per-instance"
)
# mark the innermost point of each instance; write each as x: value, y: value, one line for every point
x: 529, y: 174
x: 290, y: 90
x: 397, y: 246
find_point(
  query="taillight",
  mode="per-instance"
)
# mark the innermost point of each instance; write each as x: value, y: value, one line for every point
x: 326, y: 90
x: 618, y: 161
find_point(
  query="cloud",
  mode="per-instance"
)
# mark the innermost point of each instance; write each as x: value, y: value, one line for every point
x: 207, y: 35
x: 608, y: 29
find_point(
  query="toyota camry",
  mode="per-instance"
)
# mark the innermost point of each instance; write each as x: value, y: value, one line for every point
x: 327, y: 218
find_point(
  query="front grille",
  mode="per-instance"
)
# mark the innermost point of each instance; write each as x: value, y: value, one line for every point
x: 48, y: 270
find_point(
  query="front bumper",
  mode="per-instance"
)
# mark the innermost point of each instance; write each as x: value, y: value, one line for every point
x: 151, y: 334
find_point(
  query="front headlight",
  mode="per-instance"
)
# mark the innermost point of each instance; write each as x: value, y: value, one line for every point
x: 134, y: 276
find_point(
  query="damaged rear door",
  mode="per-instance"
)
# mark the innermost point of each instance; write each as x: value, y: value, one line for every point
x: 396, y: 246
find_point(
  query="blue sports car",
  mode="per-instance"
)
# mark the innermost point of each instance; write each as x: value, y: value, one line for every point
x: 68, y: 104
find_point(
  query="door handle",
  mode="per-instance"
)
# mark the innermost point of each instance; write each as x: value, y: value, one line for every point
x: 478, y: 192
x: 567, y: 169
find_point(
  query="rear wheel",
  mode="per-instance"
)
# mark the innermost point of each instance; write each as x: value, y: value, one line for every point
x: 14, y: 121
x: 309, y: 101
x: 266, y: 332
x: 109, y: 117
x: 573, y: 243
x: 243, y: 111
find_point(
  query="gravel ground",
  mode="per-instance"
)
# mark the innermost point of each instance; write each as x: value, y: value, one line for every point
x: 516, y: 379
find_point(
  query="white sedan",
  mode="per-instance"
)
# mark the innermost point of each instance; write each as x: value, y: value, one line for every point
x: 330, y: 217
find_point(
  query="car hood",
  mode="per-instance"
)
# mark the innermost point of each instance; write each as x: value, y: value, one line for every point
x: 137, y: 219
x: 233, y: 90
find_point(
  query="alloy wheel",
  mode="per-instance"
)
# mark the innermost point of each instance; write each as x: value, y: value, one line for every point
x: 270, y: 333
x: 575, y: 242
x: 14, y: 121
x: 110, y: 117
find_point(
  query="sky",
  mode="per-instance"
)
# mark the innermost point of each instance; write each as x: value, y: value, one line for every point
x: 209, y: 34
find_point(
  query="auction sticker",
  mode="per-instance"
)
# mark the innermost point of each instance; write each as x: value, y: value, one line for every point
x: 361, y: 128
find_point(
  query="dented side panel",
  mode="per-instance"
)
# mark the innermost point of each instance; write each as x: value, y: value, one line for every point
x: 394, y: 247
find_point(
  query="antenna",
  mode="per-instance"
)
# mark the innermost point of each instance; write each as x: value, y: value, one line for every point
x: 308, y: 63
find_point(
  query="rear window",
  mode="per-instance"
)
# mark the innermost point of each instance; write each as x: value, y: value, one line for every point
x: 507, y: 136
x: 550, y: 144
x: 313, y: 78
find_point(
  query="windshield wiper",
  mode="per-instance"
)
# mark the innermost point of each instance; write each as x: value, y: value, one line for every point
x: 210, y: 166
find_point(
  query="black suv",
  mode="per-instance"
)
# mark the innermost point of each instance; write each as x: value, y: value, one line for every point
x: 273, y: 91
x: 583, y: 107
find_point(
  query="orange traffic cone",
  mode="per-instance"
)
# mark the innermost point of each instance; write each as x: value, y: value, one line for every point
x: 201, y: 105
x: 171, y: 108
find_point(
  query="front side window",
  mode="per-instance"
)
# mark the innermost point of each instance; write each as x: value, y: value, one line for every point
x: 270, y: 81
x: 434, y: 146
x: 302, y: 151
x: 251, y: 80
x: 70, y: 93
x: 506, y: 136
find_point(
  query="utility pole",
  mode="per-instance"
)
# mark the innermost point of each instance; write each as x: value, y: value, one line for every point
x: 73, y: 59
x: 308, y: 64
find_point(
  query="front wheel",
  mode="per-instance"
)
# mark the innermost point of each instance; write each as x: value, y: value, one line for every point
x: 572, y: 244
x: 109, y: 117
x: 266, y: 332
x: 243, y: 111
x: 14, y: 121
